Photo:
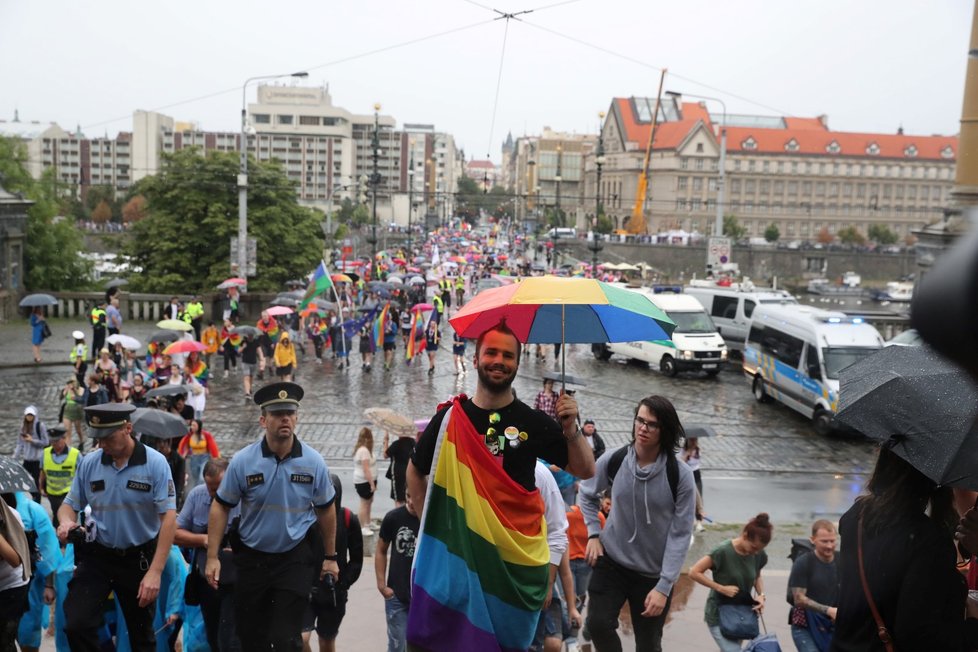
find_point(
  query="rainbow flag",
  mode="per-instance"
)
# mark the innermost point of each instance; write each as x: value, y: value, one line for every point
x: 417, y: 342
x: 380, y: 324
x: 481, y: 566
x: 319, y: 283
x: 200, y: 372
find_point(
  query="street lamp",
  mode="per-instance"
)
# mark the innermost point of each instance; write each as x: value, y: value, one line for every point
x: 243, y: 172
x: 375, y: 177
x: 595, y: 246
x: 718, y: 223
x: 560, y: 217
x: 599, y: 163
x: 410, y: 196
x: 554, y: 236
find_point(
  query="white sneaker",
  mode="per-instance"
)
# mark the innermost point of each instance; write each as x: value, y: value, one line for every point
x: 699, y: 526
x: 366, y: 531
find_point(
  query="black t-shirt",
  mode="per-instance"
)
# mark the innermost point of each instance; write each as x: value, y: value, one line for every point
x: 249, y: 352
x: 399, y: 453
x: 820, y: 579
x: 400, y: 530
x: 544, y: 439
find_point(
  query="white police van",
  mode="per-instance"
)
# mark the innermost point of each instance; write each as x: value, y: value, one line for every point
x: 732, y: 308
x: 695, y: 345
x: 794, y: 354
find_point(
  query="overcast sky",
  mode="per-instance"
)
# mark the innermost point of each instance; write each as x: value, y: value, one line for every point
x: 870, y: 65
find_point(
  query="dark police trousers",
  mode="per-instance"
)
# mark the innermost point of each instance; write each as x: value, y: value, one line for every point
x: 100, y: 571
x: 272, y: 593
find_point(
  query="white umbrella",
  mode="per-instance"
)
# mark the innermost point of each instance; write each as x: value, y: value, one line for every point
x: 126, y: 341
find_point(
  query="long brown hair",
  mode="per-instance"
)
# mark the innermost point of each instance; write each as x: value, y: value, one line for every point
x: 897, y: 489
x: 365, y: 439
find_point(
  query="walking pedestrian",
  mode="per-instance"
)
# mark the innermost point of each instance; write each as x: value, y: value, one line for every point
x: 197, y: 447
x: 398, y: 536
x: 399, y: 453
x: 37, y: 331
x: 327, y: 608
x: 691, y: 455
x: 288, y: 520
x: 15, y: 571
x: 366, y: 348
x: 58, y: 467
x: 38, y: 529
x: 813, y: 591
x: 735, y: 566
x: 79, y: 356
x: 365, y: 475
x: 211, y: 339
x: 216, y: 604
x: 113, y: 316
x: 432, y: 337
x: 31, y: 442
x: 195, y: 310
x: 458, y: 352
x: 504, y: 430
x: 638, y: 555
x: 230, y: 342
x: 285, y: 359
x: 132, y: 496
x: 252, y: 358
x: 98, y: 318
x: 71, y: 411
x: 546, y: 399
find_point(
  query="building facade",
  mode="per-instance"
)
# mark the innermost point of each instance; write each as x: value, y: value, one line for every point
x: 794, y: 173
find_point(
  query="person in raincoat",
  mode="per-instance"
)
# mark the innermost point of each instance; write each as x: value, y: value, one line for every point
x: 36, y: 520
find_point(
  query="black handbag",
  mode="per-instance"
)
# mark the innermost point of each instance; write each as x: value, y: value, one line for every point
x: 738, y: 621
x: 45, y: 330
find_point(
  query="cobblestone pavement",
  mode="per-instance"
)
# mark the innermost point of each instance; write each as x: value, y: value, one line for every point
x: 753, y: 438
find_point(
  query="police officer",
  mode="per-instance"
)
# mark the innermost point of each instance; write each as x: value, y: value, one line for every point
x: 58, y: 466
x: 195, y: 310
x: 285, y: 492
x: 133, y: 508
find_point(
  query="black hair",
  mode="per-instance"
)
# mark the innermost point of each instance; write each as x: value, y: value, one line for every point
x: 897, y: 489
x: 671, y: 431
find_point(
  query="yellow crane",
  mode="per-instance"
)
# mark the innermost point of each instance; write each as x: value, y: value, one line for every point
x: 636, y: 224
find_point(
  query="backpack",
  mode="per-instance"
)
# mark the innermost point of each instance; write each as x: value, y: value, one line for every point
x: 800, y: 548
x: 672, y: 470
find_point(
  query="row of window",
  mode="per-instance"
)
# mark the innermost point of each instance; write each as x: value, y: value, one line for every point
x: 812, y: 167
x: 803, y: 208
x: 788, y: 229
x: 832, y: 189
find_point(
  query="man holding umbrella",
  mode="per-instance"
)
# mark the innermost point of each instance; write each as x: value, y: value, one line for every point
x: 133, y: 501
x: 497, y: 439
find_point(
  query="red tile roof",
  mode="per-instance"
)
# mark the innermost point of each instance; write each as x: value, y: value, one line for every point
x: 808, y: 136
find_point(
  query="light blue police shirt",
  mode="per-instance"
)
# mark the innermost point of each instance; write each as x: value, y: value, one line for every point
x: 277, y: 496
x: 127, y: 502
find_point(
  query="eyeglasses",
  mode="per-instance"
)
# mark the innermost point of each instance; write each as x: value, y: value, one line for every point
x: 648, y: 425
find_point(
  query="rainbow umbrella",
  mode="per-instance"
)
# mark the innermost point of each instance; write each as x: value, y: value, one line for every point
x: 552, y: 310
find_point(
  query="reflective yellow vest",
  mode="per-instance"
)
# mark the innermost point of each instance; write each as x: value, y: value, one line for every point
x: 195, y: 309
x: 98, y: 316
x: 58, y: 477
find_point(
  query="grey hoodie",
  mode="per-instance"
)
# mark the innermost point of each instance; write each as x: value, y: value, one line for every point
x: 646, y: 531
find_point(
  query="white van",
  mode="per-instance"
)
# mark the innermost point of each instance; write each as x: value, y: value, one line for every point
x: 732, y: 308
x: 794, y: 354
x: 695, y: 345
x: 562, y: 232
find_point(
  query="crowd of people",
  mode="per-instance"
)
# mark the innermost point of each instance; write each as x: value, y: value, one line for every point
x: 515, y: 526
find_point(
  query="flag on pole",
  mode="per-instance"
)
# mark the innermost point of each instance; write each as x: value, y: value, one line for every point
x: 416, y: 342
x: 319, y: 283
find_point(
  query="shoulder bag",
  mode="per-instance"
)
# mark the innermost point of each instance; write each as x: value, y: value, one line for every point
x: 738, y: 620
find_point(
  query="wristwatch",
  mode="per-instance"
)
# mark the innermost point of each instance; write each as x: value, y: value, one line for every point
x: 332, y: 557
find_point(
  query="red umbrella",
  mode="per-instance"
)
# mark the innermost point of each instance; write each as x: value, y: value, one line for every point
x: 184, y: 346
x: 399, y: 261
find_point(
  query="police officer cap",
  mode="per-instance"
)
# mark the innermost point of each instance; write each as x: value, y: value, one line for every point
x: 279, y: 396
x: 56, y: 432
x: 107, y: 418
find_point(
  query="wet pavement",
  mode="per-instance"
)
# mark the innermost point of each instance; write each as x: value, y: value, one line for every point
x: 766, y: 457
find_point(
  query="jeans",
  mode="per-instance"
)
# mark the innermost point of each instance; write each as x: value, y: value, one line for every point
x: 196, y: 471
x: 726, y: 645
x: 803, y: 639
x: 610, y: 587
x: 396, y: 612
x: 581, y: 572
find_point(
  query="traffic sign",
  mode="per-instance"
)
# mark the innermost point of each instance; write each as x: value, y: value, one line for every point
x: 718, y: 251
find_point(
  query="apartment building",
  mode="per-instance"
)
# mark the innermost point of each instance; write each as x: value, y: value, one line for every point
x: 795, y: 173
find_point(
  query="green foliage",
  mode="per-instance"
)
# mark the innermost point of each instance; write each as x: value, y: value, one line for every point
x: 604, y: 225
x: 183, y: 243
x: 881, y: 234
x: 52, y: 248
x: 732, y: 228
x: 850, y: 235
x: 772, y: 233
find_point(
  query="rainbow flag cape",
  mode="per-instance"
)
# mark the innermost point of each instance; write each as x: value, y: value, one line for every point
x: 380, y: 324
x: 200, y: 372
x: 417, y: 342
x: 319, y: 283
x: 481, y: 567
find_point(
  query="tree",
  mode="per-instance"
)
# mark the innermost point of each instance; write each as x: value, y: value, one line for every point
x: 604, y: 225
x: 134, y: 210
x: 851, y: 235
x: 881, y: 234
x: 772, y: 233
x: 732, y: 228
x: 102, y: 213
x: 183, y: 243
x: 95, y: 196
x: 52, y: 249
x: 824, y: 236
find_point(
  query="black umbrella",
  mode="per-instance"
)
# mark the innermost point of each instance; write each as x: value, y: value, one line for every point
x: 14, y: 477
x: 168, y: 390
x: 292, y: 294
x: 164, y: 336
x: 322, y: 304
x: 699, y: 431
x: 244, y: 331
x: 35, y: 300
x: 353, y: 277
x: 157, y: 423
x: 283, y: 300
x: 918, y: 404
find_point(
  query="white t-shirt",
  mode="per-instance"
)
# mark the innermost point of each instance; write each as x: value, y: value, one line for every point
x: 12, y: 576
x: 359, y: 456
